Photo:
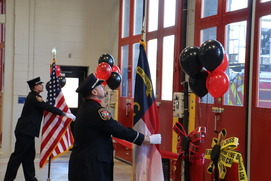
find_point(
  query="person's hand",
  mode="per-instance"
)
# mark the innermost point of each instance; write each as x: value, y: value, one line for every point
x: 70, y: 115
x: 155, y: 139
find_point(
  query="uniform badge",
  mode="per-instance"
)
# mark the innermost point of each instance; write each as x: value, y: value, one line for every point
x: 39, y: 99
x: 104, y: 114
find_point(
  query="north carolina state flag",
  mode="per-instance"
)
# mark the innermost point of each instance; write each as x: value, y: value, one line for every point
x: 146, y: 158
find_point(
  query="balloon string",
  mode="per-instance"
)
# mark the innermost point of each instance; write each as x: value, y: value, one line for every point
x: 208, y: 115
x: 201, y: 110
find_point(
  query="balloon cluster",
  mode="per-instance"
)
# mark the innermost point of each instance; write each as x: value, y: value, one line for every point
x: 206, y: 67
x: 108, y: 71
x: 62, y: 79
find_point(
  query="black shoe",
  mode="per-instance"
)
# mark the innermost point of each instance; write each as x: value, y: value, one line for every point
x: 35, y: 179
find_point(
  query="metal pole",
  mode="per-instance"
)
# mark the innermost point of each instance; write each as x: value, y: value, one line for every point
x: 185, y: 125
x: 185, y: 87
x: 49, y: 168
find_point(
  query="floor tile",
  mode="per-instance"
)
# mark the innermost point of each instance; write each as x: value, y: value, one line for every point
x: 59, y: 170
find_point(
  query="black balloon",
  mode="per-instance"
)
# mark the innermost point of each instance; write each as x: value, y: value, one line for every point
x: 107, y: 58
x: 114, y: 80
x: 189, y: 61
x: 198, y: 84
x: 211, y: 54
x: 62, y: 81
x: 47, y: 85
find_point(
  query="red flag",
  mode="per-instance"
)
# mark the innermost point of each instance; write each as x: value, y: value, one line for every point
x: 56, y: 136
x: 147, y: 158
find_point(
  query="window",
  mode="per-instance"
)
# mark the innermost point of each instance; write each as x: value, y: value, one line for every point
x: 138, y: 16
x: 233, y: 5
x: 263, y: 1
x: 264, y: 71
x: 135, y: 61
x: 152, y: 57
x: 124, y: 71
x: 162, y: 32
x: 167, y: 69
x: 236, y: 50
x: 169, y: 13
x: 209, y: 8
x: 153, y: 15
x: 161, y: 28
x: 126, y: 18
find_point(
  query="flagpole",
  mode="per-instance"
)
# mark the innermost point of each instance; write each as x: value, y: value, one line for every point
x: 143, y: 22
x: 49, y: 161
x: 49, y: 169
x: 142, y: 41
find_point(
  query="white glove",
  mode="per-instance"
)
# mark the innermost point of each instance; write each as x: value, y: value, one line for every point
x: 155, y: 139
x: 70, y: 115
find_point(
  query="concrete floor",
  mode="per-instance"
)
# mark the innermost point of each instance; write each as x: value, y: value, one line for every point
x: 59, y: 170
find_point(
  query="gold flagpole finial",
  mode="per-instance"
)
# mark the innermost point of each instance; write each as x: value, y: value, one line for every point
x: 54, y: 54
x: 143, y: 34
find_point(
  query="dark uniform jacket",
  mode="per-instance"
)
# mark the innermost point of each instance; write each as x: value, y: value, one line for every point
x: 31, y: 117
x: 92, y: 155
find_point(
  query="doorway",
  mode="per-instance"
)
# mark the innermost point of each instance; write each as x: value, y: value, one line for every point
x: 73, y: 76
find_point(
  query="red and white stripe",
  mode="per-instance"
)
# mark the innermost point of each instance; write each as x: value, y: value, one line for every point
x: 56, y: 133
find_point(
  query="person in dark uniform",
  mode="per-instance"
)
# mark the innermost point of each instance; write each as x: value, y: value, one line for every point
x: 92, y: 155
x: 27, y: 128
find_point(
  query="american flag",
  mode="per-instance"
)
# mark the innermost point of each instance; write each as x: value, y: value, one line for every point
x: 56, y: 136
x: 147, y: 158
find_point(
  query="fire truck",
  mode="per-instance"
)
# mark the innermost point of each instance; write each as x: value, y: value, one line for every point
x: 235, y: 94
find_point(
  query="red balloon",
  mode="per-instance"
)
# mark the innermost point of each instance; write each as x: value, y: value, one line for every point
x: 217, y: 83
x: 115, y: 68
x: 103, y: 71
x: 224, y: 64
x: 104, y: 83
x: 58, y: 70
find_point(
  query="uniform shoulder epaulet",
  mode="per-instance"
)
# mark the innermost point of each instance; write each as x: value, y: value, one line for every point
x: 104, y: 114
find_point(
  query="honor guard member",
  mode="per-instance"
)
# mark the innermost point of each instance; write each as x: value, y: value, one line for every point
x: 27, y: 128
x: 92, y: 155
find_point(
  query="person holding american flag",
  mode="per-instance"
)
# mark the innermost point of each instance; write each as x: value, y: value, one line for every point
x: 27, y: 128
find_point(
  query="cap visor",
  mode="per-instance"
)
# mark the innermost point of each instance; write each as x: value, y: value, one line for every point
x: 100, y: 82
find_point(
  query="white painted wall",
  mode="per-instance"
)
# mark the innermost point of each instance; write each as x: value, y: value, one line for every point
x: 82, y: 28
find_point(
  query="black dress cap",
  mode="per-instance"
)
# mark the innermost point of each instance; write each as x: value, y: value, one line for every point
x: 88, y: 85
x: 34, y: 82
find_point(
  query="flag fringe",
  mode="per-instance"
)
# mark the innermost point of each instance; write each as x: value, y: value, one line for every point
x: 52, y: 158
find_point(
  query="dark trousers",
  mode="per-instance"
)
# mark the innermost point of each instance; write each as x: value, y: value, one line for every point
x: 82, y: 167
x: 24, y: 153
